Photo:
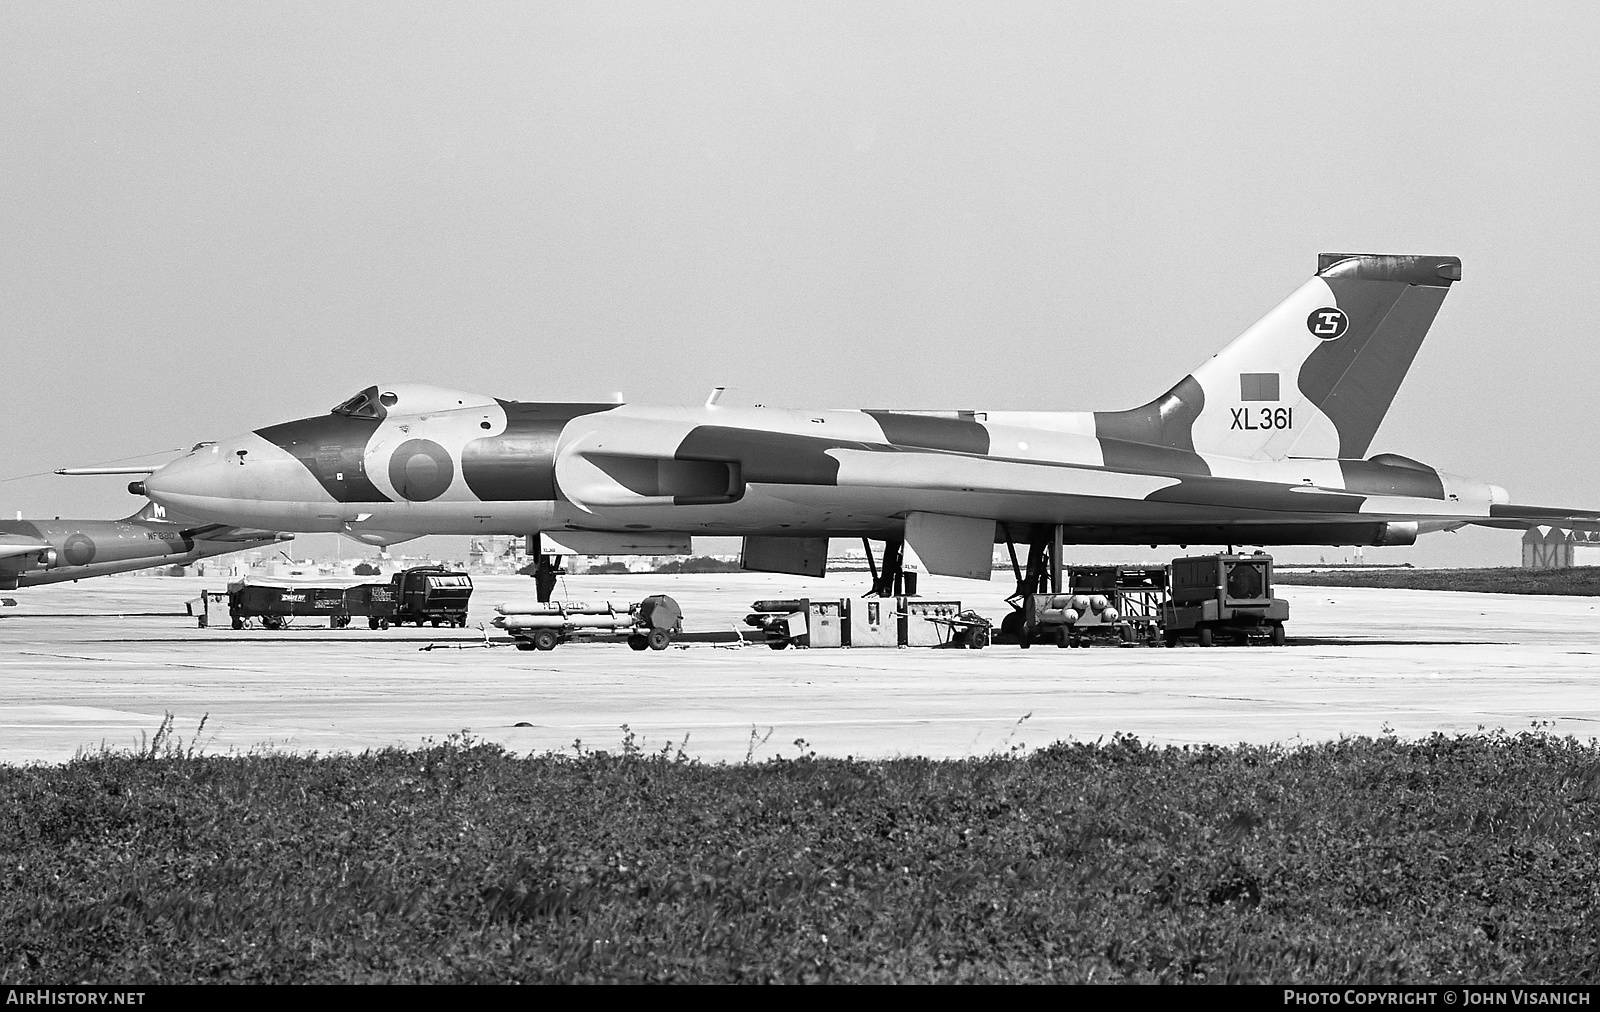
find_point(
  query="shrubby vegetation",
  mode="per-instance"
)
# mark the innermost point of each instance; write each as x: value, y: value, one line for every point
x: 1450, y: 859
x: 1582, y: 581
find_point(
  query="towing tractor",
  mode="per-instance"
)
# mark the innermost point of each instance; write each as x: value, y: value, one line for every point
x: 431, y: 594
x: 1223, y: 597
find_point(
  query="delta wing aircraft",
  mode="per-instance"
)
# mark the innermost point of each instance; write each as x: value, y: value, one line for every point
x: 35, y: 552
x: 1264, y: 444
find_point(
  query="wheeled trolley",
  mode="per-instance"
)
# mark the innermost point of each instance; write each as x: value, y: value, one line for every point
x: 651, y: 624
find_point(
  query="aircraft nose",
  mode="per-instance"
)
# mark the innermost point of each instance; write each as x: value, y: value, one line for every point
x: 197, y: 474
x: 247, y: 481
x: 244, y: 481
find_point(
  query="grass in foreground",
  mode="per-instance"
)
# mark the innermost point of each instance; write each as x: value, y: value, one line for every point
x: 1581, y: 581
x: 1451, y: 859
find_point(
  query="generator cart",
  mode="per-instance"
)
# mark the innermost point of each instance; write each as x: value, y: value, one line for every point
x: 871, y: 622
x: 1223, y: 596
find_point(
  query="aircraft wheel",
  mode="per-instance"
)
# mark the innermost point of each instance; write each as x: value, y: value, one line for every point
x: 383, y: 623
x: 238, y: 623
x: 1126, y: 632
x: 1011, y: 626
x: 659, y: 639
x: 1064, y: 638
x: 524, y: 645
x: 435, y: 623
x: 1278, y: 635
x: 544, y: 639
x: 1206, y: 636
x: 372, y: 623
x: 777, y: 644
x: 1171, y: 639
x: 637, y: 642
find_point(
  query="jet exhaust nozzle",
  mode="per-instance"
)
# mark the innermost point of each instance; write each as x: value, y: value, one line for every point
x: 1397, y: 533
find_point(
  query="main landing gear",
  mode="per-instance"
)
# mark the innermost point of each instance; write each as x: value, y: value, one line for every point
x: 892, y: 580
x: 1042, y: 576
x: 545, y: 573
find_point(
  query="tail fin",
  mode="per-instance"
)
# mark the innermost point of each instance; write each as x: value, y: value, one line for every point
x: 1312, y: 378
x: 149, y: 511
x: 153, y: 512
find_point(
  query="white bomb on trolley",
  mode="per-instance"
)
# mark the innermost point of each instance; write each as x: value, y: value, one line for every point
x: 651, y: 624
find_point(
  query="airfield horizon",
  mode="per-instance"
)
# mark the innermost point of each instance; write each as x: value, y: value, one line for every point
x: 102, y: 662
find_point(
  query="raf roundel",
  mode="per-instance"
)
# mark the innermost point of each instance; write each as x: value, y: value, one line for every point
x: 421, y: 470
x: 1327, y: 323
x: 79, y: 550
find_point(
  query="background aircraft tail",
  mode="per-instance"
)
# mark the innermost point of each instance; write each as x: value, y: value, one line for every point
x: 151, y: 512
x: 1312, y: 378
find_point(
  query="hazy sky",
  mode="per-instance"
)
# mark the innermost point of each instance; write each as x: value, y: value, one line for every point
x: 218, y: 216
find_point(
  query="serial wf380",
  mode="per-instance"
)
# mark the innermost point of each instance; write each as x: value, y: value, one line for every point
x: 1263, y: 444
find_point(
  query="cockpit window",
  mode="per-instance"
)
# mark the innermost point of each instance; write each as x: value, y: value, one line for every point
x: 362, y: 405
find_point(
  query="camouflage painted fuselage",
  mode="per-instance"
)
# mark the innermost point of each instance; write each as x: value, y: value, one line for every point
x: 61, y: 550
x: 1261, y: 445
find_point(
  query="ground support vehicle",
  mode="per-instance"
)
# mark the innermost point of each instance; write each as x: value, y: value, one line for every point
x: 940, y: 624
x: 541, y: 625
x: 1217, y: 597
x: 431, y: 594
x: 961, y: 630
x: 871, y: 622
x: 1132, y: 598
x: 786, y: 622
x: 1072, y: 620
x: 278, y: 603
x: 1108, y: 604
x: 211, y: 605
x: 376, y: 601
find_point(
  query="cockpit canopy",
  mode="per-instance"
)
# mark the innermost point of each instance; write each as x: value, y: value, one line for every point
x: 369, y: 403
x: 408, y: 398
x: 362, y: 405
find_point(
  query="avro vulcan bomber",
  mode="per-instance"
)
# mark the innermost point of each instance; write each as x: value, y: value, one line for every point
x: 1264, y: 444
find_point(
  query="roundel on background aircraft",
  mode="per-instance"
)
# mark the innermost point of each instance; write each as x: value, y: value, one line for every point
x: 421, y: 470
x: 1327, y: 323
x: 79, y: 550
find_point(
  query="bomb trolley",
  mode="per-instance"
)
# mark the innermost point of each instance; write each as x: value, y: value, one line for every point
x: 651, y: 624
x: 1110, y: 604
